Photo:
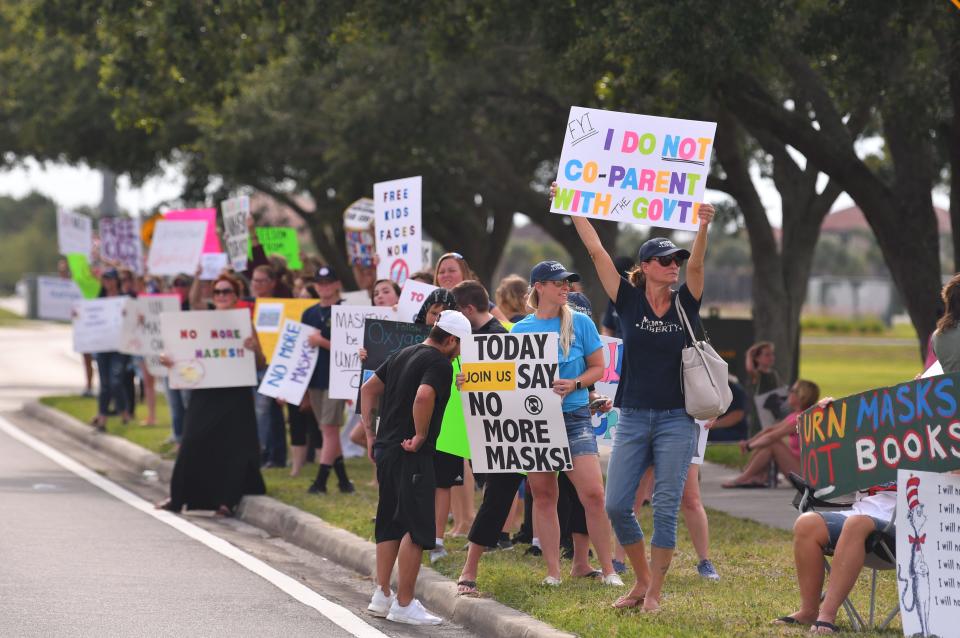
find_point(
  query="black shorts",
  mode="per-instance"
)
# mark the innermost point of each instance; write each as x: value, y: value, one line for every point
x: 407, y: 487
x: 448, y: 469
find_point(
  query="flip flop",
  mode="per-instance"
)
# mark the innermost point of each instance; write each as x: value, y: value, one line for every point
x: 787, y: 620
x: 471, y: 590
x: 823, y: 624
x: 593, y: 575
x: 628, y: 602
x: 743, y: 486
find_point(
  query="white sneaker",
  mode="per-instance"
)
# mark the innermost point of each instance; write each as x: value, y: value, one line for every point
x: 550, y: 581
x: 380, y: 605
x: 412, y: 614
x: 437, y: 554
x: 612, y: 580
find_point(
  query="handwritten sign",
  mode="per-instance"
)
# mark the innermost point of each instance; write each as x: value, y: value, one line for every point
x: 358, y: 228
x: 637, y: 169
x: 207, y: 348
x: 235, y: 233
x: 398, y: 228
x: 346, y: 337
x: 211, y: 243
x: 120, y: 242
x: 56, y: 297
x: 514, y: 419
x: 269, y: 314
x: 176, y: 247
x: 862, y: 440
x: 74, y: 233
x: 604, y: 425
x: 280, y: 241
x: 292, y: 364
x: 211, y: 265
x: 381, y: 338
x: 412, y: 296
x: 149, y: 309
x: 131, y: 337
x: 97, y: 324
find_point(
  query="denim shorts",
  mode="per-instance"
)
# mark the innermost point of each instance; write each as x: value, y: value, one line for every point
x: 834, y: 522
x: 580, y: 435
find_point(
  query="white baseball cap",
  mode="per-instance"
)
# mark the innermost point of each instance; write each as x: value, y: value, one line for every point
x: 455, y: 323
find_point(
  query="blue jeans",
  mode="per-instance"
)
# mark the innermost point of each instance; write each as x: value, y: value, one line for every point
x: 270, y: 427
x: 664, y: 439
x: 177, y: 400
x: 580, y: 437
x: 111, y: 367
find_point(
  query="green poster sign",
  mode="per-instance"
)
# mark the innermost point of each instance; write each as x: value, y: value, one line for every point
x: 862, y: 440
x: 453, y: 431
x: 279, y: 241
x: 87, y: 282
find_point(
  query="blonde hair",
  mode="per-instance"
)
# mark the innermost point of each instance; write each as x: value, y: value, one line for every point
x: 511, y: 295
x: 808, y: 393
x: 566, y: 320
x: 750, y: 362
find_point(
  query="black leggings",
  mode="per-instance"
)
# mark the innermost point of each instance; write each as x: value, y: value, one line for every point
x: 302, y: 424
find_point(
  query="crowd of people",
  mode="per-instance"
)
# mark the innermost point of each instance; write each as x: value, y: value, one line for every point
x: 226, y: 435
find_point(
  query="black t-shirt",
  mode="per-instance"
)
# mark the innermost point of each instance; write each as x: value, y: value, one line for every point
x: 611, y: 320
x: 492, y: 327
x: 319, y: 317
x: 650, y: 377
x: 402, y: 374
x: 737, y: 431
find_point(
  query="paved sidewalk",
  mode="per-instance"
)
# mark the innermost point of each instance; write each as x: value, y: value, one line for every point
x: 768, y: 506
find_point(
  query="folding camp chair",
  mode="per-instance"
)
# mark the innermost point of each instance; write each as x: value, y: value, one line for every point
x: 881, y: 554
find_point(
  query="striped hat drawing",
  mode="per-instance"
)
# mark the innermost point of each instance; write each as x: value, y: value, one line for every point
x: 913, y: 489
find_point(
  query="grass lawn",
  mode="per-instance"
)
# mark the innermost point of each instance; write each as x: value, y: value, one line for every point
x: 9, y: 319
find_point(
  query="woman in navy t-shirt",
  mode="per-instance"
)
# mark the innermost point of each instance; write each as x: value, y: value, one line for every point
x: 654, y: 427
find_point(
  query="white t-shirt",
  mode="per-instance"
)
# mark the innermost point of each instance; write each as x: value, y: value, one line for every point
x: 880, y: 505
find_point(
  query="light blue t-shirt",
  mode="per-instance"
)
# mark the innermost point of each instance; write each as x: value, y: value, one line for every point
x: 586, y: 341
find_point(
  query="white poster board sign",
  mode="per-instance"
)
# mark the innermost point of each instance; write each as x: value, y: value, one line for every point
x: 97, y: 324
x: 56, y: 297
x: 149, y: 309
x: 637, y: 169
x: 702, y: 436
x: 207, y: 348
x: 211, y: 265
x: 355, y: 298
x: 292, y: 364
x: 399, y: 231
x: 412, y: 296
x: 514, y: 419
x: 604, y: 425
x: 74, y: 233
x: 346, y: 338
x: 358, y: 229
x: 928, y: 552
x: 235, y: 233
x: 176, y: 247
x: 131, y: 337
x: 120, y: 242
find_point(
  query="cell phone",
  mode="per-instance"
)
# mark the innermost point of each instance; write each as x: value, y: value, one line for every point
x: 596, y: 403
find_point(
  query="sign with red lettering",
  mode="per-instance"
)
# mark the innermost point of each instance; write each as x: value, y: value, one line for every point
x: 398, y: 228
x: 207, y: 348
x: 862, y: 440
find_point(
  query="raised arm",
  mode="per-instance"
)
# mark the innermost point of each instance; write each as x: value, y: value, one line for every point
x: 606, y: 271
x: 695, y: 269
x: 196, y: 301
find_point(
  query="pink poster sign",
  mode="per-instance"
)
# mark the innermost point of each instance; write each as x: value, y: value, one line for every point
x: 211, y: 243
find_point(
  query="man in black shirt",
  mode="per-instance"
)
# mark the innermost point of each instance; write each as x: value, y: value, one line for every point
x: 415, y: 386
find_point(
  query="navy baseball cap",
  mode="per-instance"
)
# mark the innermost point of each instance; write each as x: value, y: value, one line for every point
x: 552, y: 271
x: 325, y: 273
x: 580, y: 302
x: 660, y: 247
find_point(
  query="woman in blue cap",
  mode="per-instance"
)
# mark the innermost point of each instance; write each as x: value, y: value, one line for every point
x: 581, y: 365
x: 654, y: 427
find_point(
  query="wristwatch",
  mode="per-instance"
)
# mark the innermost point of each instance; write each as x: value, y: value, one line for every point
x: 579, y: 387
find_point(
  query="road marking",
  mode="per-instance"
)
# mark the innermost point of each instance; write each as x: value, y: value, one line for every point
x: 341, y: 616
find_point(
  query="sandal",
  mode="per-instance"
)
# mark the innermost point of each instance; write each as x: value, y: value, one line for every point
x: 787, y: 620
x: 468, y: 589
x: 595, y: 574
x: 743, y: 486
x: 629, y: 602
x: 823, y: 624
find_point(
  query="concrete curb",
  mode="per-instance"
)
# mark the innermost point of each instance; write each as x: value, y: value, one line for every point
x: 438, y: 593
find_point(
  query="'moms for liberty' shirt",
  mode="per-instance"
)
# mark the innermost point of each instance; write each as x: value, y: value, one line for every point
x: 650, y: 377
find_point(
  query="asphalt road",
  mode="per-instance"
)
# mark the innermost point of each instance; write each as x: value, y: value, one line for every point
x: 76, y: 560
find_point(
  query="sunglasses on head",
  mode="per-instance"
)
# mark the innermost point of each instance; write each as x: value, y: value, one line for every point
x: 454, y: 255
x: 223, y: 291
x: 666, y: 260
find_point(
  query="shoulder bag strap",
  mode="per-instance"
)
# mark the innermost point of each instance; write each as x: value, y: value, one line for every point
x: 685, y: 321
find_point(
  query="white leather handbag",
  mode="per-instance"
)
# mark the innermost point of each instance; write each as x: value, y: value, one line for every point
x: 706, y: 393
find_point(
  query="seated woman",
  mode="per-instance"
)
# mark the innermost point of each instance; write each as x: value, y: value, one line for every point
x: 769, y: 444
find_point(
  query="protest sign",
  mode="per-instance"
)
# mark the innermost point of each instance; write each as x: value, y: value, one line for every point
x: 637, y: 169
x: 862, y: 440
x: 56, y: 297
x: 211, y: 243
x: 398, y: 228
x: 358, y: 228
x: 211, y: 265
x: 381, y: 338
x: 772, y: 406
x: 514, y: 418
x: 928, y: 543
x: 412, y: 296
x: 279, y: 241
x: 74, y: 233
x: 700, y: 451
x: 176, y: 247
x: 268, y: 316
x: 453, y: 437
x: 97, y: 324
x: 235, y: 233
x: 604, y: 425
x: 355, y: 298
x: 149, y: 308
x: 207, y: 350
x: 80, y: 272
x: 131, y: 336
x: 120, y: 242
x: 291, y: 366
x: 346, y: 337
x: 427, y: 254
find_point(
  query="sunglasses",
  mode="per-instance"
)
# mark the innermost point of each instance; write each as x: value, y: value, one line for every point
x: 223, y: 291
x: 557, y: 283
x: 666, y: 260
x: 454, y: 255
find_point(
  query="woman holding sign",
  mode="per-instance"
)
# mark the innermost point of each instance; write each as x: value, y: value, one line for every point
x: 581, y: 365
x: 654, y: 427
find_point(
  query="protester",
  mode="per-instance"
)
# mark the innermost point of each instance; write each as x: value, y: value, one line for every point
x: 581, y: 365
x: 654, y: 427
x: 511, y: 297
x: 423, y: 276
x: 762, y: 377
x: 177, y: 399
x: 111, y: 367
x: 415, y: 385
x: 218, y: 460
x: 259, y: 258
x: 328, y: 412
x: 946, y: 338
x: 304, y: 430
x: 769, y: 445
x: 610, y: 322
x: 732, y: 424
x: 63, y: 271
x: 386, y: 293
x: 264, y: 283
